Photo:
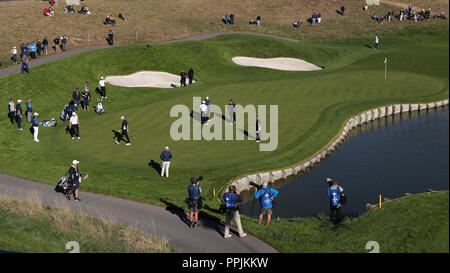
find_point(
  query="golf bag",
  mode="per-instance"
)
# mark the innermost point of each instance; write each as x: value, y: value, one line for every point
x: 49, y: 123
x: 65, y: 114
x: 99, y: 108
x: 63, y: 185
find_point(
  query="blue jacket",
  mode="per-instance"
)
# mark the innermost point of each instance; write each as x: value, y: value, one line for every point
x: 165, y: 156
x: 194, y: 192
x: 34, y: 122
x: 19, y: 109
x: 333, y: 194
x: 231, y: 199
x: 266, y: 195
x: 29, y: 108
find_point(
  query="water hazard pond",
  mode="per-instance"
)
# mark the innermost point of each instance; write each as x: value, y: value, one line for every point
x: 392, y: 156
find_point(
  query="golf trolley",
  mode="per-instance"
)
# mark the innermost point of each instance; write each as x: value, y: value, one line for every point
x: 63, y: 185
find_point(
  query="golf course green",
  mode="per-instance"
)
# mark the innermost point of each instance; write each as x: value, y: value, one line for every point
x: 312, y: 107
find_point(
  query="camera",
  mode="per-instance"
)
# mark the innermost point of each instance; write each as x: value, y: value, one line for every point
x: 258, y: 187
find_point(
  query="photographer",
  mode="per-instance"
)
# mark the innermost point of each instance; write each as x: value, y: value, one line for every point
x: 232, y: 198
x: 266, y: 196
x: 337, y: 199
x: 194, y: 200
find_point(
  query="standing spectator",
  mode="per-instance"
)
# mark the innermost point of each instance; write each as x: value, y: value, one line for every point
x: 165, y: 156
x: 124, y: 132
x: 29, y: 110
x: 64, y: 42
x: 232, y: 111
x: 76, y: 98
x: 45, y: 44
x: 231, y: 18
x: 38, y: 47
x: 35, y: 124
x: 410, y: 7
x: 102, y: 86
x: 74, y: 125
x: 22, y: 50
x: 258, y: 129
x: 194, y: 191
x: 183, y: 79
x: 204, y: 113
x: 25, y: 64
x: 74, y: 179
x: 57, y: 48
x: 11, y: 110
x: 19, y: 114
x: 376, y: 42
x: 191, y: 75
x: 258, y: 20
x: 110, y: 37
x: 231, y: 199
x: 33, y: 50
x: 334, y: 194
x: 319, y: 18
x: 227, y: 18
x: 266, y: 196
x: 86, y: 98
x: 342, y: 10
x: 14, y: 55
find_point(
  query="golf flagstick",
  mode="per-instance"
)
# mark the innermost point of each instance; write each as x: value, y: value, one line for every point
x: 385, y: 68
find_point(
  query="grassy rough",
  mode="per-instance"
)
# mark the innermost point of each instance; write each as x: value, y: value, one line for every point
x: 28, y: 226
x: 414, y: 224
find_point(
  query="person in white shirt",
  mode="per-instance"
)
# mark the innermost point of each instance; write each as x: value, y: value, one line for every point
x: 14, y: 55
x: 74, y: 123
x: 204, y: 113
x: 35, y: 124
x: 102, y: 86
x: 376, y: 42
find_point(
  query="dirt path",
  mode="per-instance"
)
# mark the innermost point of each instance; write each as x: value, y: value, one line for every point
x: 399, y: 5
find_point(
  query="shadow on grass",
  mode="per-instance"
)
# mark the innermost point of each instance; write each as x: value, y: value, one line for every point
x: 369, y: 46
x: 155, y: 165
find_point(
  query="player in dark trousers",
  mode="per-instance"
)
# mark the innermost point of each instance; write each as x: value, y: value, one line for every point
x: 183, y: 79
x: 191, y: 75
x: 74, y: 179
x: 123, y: 131
x: 19, y: 113
x: 258, y: 129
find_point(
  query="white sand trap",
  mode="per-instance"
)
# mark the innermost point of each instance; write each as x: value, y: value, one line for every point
x: 146, y: 79
x: 287, y: 64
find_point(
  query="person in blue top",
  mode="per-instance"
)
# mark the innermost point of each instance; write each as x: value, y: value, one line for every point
x: 35, y: 124
x: 266, y: 196
x: 231, y: 199
x: 194, y: 191
x: 29, y: 110
x: 165, y: 156
x: 334, y: 194
x: 19, y: 114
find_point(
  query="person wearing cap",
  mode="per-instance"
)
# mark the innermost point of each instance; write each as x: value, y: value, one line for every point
x: 29, y: 111
x: 123, y: 131
x: 231, y: 199
x: 86, y: 97
x: 75, y: 122
x: 208, y: 103
x: 194, y: 191
x: 11, y: 110
x: 165, y: 156
x: 19, y: 114
x: 74, y: 179
x: 35, y: 124
x: 102, y: 87
x: 14, y: 55
x: 334, y: 194
x: 204, y: 113
x: 183, y: 79
x: 266, y: 196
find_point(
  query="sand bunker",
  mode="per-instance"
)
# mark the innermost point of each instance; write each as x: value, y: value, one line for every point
x: 287, y: 64
x: 146, y: 79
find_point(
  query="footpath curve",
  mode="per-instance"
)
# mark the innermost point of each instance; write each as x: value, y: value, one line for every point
x: 162, y: 222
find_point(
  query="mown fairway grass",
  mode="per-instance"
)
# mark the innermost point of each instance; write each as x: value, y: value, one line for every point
x: 312, y: 107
